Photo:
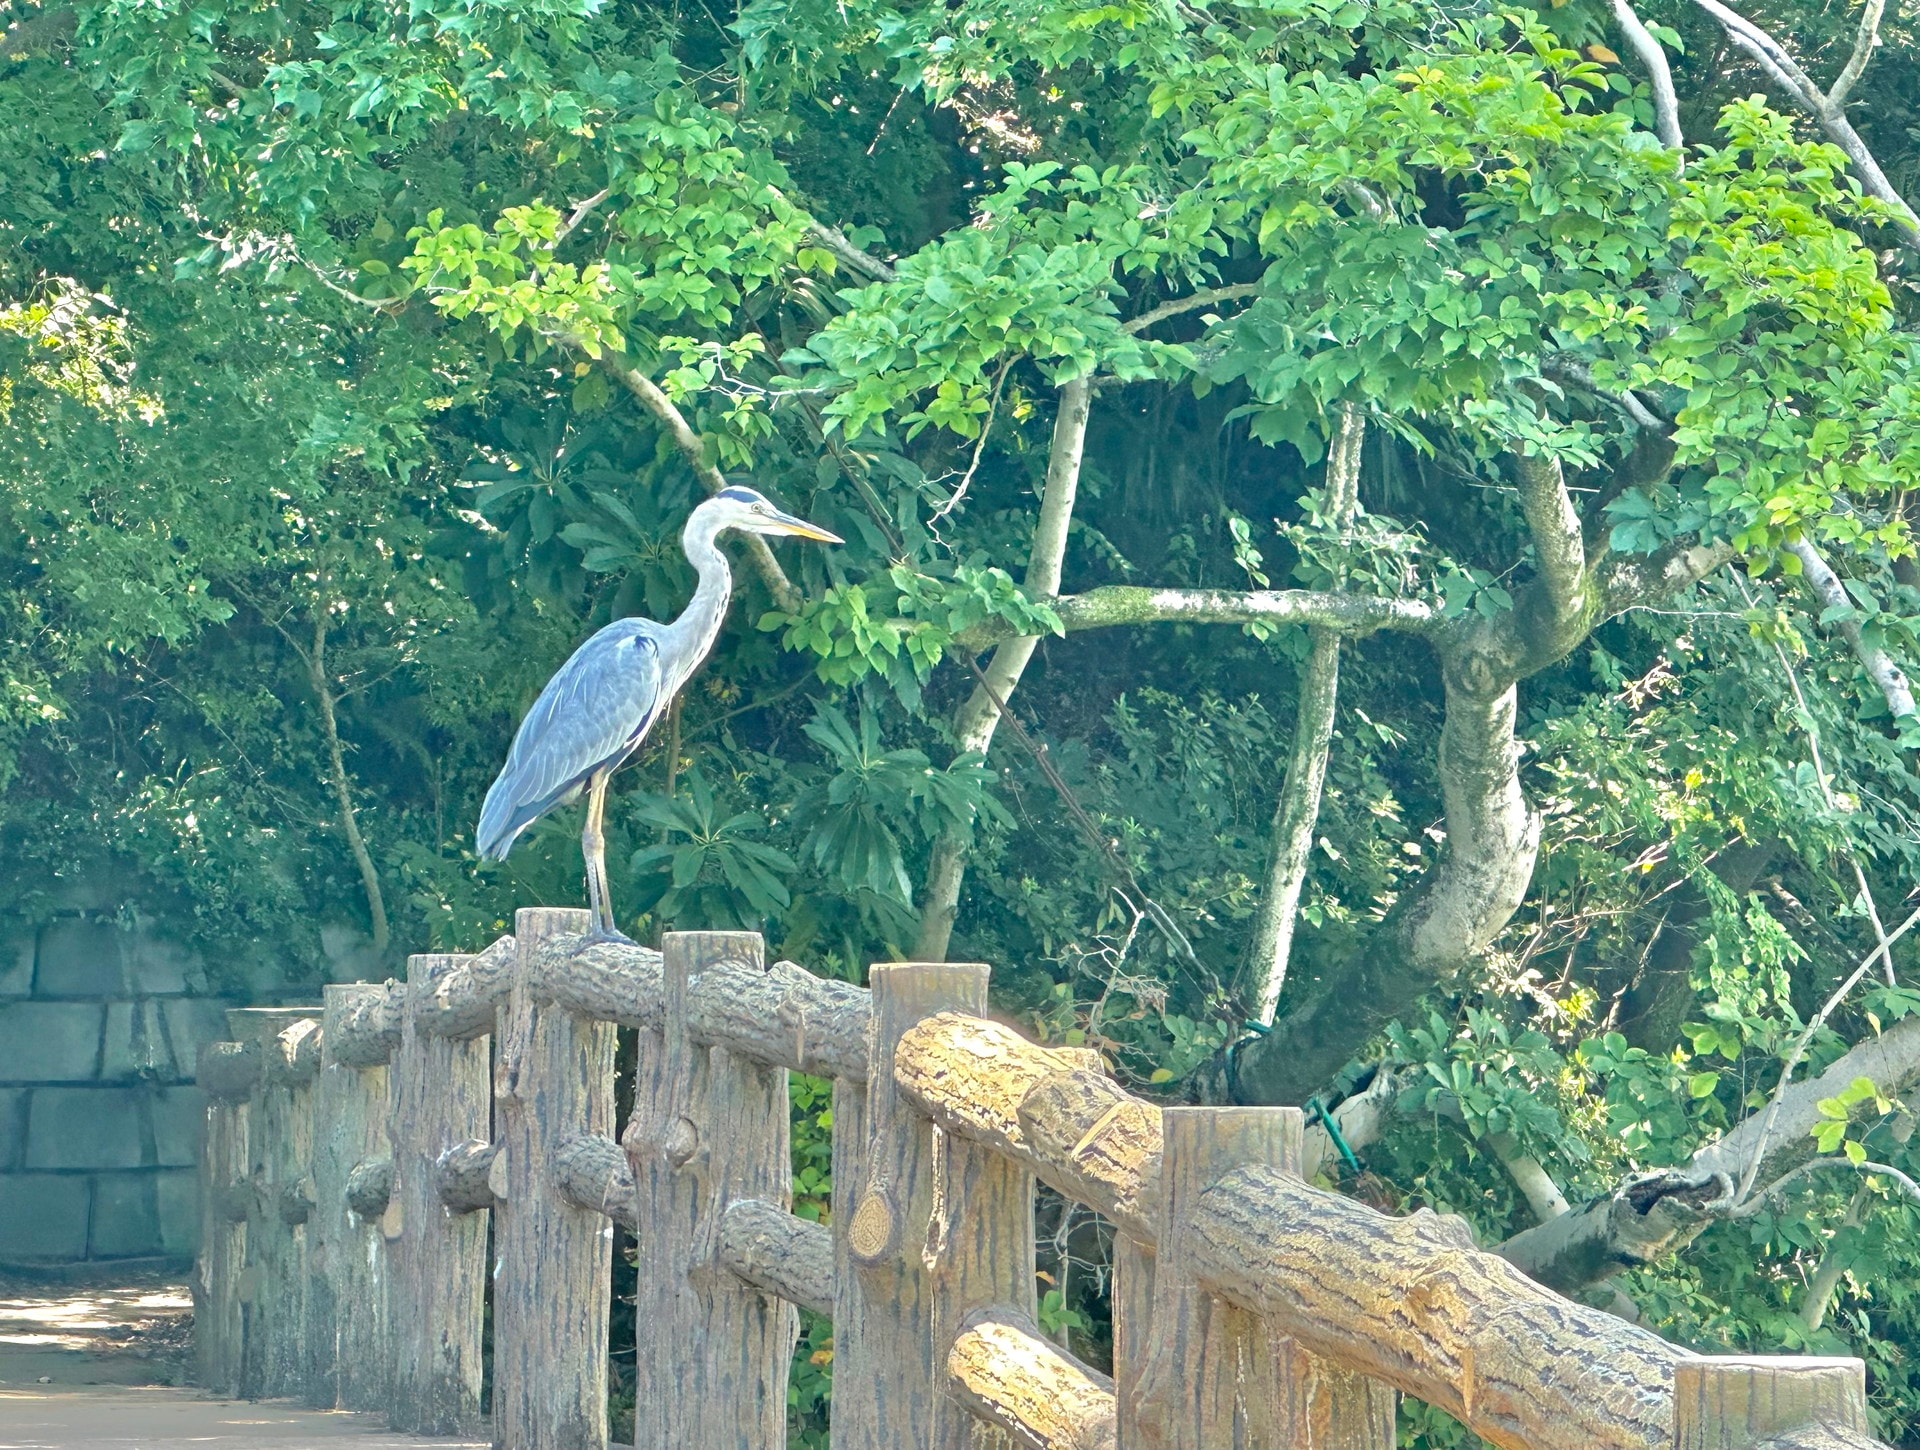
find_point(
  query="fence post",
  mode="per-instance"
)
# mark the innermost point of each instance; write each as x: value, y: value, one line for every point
x: 1736, y: 1402
x: 279, y: 1150
x: 889, y: 1370
x: 436, y: 1296
x: 709, y: 1127
x: 1212, y: 1373
x: 554, y: 1275
x: 226, y: 1072
x: 346, y: 1304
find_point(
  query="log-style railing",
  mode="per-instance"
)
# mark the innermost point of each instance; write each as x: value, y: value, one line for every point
x: 354, y: 1153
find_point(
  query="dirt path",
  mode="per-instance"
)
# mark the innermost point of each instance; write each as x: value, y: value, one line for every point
x: 95, y: 1366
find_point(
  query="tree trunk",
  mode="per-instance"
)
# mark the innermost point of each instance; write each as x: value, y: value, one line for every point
x: 1298, y: 811
x: 980, y: 716
x: 342, y: 784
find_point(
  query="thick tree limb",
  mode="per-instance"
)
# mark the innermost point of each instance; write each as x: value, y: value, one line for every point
x: 1828, y: 108
x: 1298, y: 810
x: 1666, y: 104
x: 1827, y: 588
x: 1559, y: 552
x: 1113, y: 605
x: 979, y: 717
x: 1653, y: 1216
x: 647, y: 393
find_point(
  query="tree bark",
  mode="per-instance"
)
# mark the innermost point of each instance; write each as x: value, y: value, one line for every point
x: 342, y: 783
x: 1298, y: 810
x: 979, y: 717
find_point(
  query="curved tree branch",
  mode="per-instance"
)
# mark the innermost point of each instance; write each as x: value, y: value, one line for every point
x: 681, y: 433
x: 1653, y: 55
x: 1887, y: 676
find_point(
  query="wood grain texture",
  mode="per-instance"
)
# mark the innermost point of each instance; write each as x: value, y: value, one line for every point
x: 1739, y: 1402
x: 461, y: 1176
x: 368, y: 1032
x: 463, y: 1001
x: 437, y: 1096
x: 273, y: 1285
x: 346, y: 1300
x: 1214, y: 1372
x: 709, y: 1126
x: 782, y: 1015
x: 217, y: 1315
x: 1052, y: 1109
x: 553, y: 1284
x: 1007, y: 1376
x: 887, y: 1392
x: 790, y: 1258
x: 592, y: 1172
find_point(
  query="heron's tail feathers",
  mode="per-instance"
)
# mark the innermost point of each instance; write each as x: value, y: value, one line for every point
x: 504, y: 816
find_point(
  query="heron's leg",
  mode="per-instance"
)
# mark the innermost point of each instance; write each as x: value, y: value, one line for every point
x: 593, y: 847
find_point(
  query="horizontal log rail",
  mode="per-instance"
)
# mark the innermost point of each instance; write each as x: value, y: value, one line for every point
x: 1278, y: 1314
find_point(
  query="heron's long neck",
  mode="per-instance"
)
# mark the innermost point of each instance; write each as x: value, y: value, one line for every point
x: 699, y: 623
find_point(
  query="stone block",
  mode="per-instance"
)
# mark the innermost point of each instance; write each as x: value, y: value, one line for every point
x: 178, y: 1193
x: 82, y: 958
x: 50, y: 1041
x: 126, y: 1216
x: 87, y: 1128
x: 43, y: 1218
x: 161, y: 966
x: 137, y: 1044
x: 191, y: 1021
x: 13, y: 1127
x: 16, y: 959
x: 178, y: 1113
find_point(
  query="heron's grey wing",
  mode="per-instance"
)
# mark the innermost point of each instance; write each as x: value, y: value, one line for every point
x: 598, y: 706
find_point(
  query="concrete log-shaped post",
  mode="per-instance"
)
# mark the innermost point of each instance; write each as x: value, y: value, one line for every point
x: 273, y: 1286
x: 1740, y: 1402
x: 228, y: 1073
x: 1212, y: 1372
x: 346, y: 1297
x: 709, y: 1127
x: 890, y: 1374
x: 553, y: 1281
x: 436, y: 1290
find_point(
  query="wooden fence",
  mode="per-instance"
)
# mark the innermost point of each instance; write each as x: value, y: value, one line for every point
x: 356, y: 1153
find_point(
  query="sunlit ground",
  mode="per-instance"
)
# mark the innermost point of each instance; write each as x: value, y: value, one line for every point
x: 115, y: 1332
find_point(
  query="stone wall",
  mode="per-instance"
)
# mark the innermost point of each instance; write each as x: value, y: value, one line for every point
x: 101, y: 1021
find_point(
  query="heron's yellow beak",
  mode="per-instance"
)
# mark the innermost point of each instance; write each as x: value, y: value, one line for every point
x: 801, y: 529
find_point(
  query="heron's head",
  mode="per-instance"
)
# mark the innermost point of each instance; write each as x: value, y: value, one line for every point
x: 739, y: 507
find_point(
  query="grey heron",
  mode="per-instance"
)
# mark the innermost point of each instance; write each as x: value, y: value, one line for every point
x: 599, y: 705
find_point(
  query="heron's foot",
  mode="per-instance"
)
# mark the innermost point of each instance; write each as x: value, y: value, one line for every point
x: 598, y: 934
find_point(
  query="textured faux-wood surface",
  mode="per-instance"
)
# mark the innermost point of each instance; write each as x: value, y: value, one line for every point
x: 347, y: 1297
x: 1732, y: 1402
x: 782, y: 1015
x: 438, y: 1095
x: 889, y: 1375
x: 1006, y: 1375
x: 1215, y: 1373
x: 463, y: 1001
x: 709, y: 1126
x: 229, y: 1071
x: 1052, y: 1109
x: 551, y: 1295
x: 273, y: 1286
x: 779, y: 1254
x: 218, y: 1330
x: 367, y: 1032
x: 462, y: 1176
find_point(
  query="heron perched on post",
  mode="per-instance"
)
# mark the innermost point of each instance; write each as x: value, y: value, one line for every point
x: 599, y: 706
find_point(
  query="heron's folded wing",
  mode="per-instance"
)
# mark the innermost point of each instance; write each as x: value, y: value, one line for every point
x: 591, y: 715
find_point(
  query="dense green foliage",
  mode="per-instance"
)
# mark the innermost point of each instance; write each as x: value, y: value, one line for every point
x: 334, y: 342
